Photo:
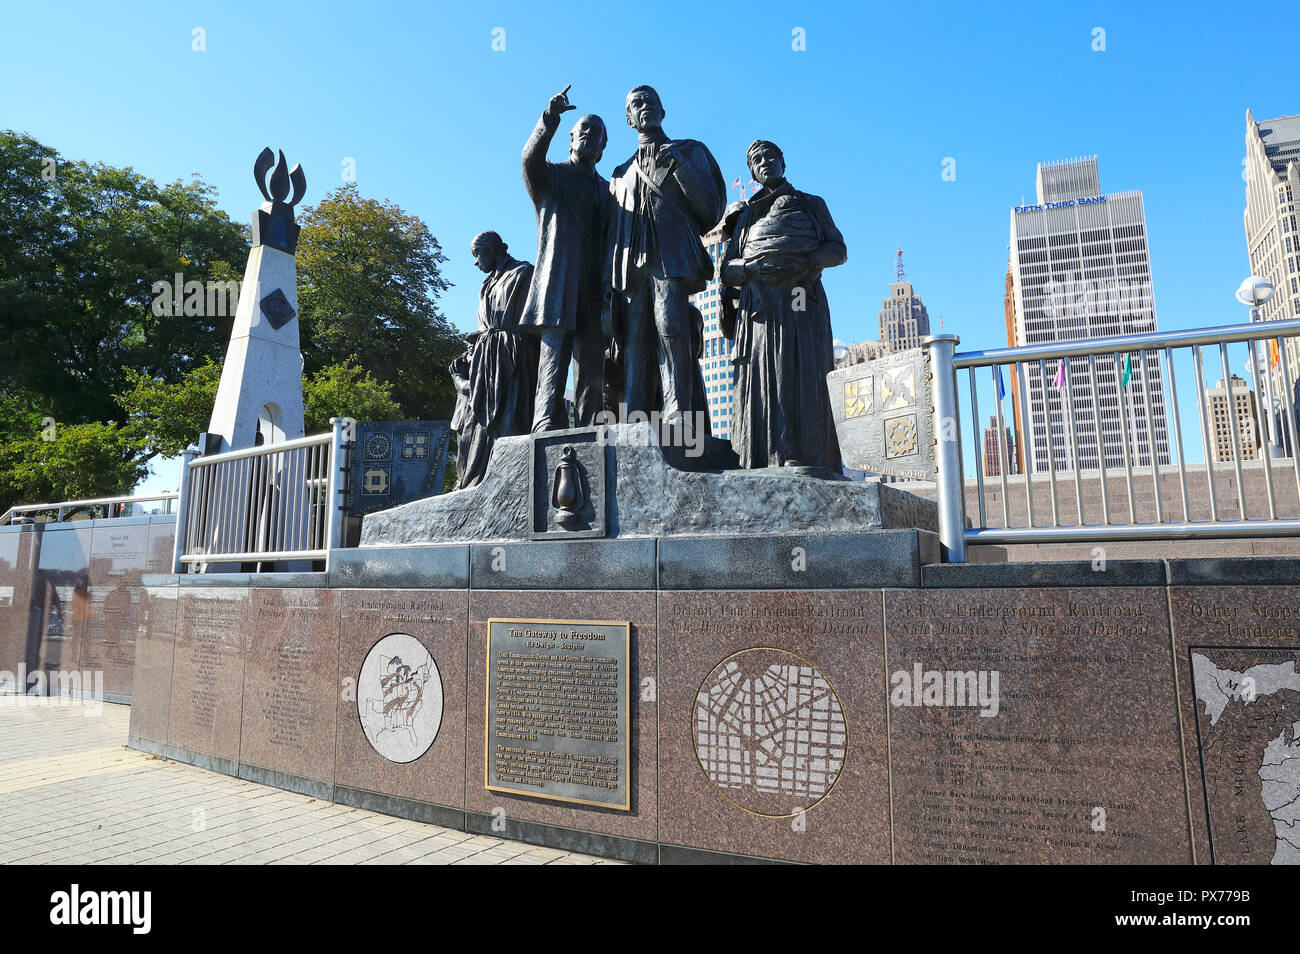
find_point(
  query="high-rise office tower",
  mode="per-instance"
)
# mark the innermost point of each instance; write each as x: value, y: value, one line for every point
x: 1081, y: 269
x: 903, y: 318
x: 1272, y: 174
x: 1243, y: 404
x: 715, y: 362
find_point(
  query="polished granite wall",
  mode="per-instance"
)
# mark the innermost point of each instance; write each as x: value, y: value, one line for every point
x: 70, y: 599
x: 772, y: 702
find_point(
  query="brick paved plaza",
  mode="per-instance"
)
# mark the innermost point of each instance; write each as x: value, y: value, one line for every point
x: 71, y: 792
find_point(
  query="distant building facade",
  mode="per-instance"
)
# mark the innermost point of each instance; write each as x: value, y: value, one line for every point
x: 904, y: 320
x: 1009, y: 309
x: 861, y: 352
x: 715, y: 362
x: 1081, y: 269
x: 993, y: 449
x: 1272, y: 174
x: 1220, y: 410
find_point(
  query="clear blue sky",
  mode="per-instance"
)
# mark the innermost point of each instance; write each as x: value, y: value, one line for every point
x: 435, y: 118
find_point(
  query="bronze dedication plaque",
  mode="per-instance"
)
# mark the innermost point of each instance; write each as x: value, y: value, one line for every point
x: 557, y: 710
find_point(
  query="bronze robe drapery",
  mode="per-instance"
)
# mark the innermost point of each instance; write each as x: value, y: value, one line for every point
x: 502, y: 371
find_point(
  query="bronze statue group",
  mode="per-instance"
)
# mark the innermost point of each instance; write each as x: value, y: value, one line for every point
x: 617, y: 262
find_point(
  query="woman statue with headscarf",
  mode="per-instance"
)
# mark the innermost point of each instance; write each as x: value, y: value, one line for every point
x: 775, y: 308
x: 498, y: 376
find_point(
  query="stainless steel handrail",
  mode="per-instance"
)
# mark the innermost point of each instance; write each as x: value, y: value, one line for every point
x: 1229, y: 334
x: 66, y: 505
x: 1134, y: 438
x: 276, y: 502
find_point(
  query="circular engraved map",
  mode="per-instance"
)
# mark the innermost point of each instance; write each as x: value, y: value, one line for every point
x: 769, y: 732
x: 399, y: 698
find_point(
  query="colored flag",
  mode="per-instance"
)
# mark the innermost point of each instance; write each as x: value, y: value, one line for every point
x: 1002, y: 390
x: 737, y: 185
x: 1273, y: 356
x: 754, y: 184
x: 1128, y: 370
x: 1060, y: 375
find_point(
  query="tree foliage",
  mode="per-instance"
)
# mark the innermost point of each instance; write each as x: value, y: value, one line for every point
x: 70, y: 462
x: 344, y: 390
x: 166, y: 418
x: 81, y: 247
x: 369, y: 277
x: 94, y: 384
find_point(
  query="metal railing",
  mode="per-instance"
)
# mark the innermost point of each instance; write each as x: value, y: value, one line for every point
x: 67, y: 508
x: 1081, y: 445
x: 277, y: 502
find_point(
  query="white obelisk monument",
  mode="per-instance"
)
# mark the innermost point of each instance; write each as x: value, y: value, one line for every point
x: 259, y: 400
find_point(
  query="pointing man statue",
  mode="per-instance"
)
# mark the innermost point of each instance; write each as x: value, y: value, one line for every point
x: 666, y: 197
x: 573, y: 206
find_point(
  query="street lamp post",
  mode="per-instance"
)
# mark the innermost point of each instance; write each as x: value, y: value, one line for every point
x: 1254, y: 292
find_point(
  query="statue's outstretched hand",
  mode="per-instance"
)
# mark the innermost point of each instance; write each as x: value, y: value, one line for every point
x: 560, y: 103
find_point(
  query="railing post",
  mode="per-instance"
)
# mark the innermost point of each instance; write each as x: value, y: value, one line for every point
x: 182, y: 510
x: 949, y: 483
x: 335, y: 504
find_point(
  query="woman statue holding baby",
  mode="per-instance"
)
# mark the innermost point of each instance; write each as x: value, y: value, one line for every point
x: 775, y: 308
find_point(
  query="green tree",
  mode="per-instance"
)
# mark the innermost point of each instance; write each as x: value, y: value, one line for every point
x: 42, y: 461
x: 81, y: 248
x: 166, y: 418
x: 50, y: 462
x: 70, y: 462
x: 344, y: 390
x: 95, y: 381
x: 369, y: 277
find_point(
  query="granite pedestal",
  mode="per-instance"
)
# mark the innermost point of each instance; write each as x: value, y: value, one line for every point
x: 804, y: 698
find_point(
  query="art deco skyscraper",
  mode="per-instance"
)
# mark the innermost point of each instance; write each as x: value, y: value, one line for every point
x: 903, y: 318
x: 1221, y: 420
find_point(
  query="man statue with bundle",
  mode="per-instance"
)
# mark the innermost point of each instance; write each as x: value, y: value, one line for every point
x: 666, y: 197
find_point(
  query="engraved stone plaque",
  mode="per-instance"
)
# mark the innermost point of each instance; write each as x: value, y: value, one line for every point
x: 399, y: 698
x: 557, y: 710
x: 769, y: 732
x: 1034, y: 726
x: 1247, y: 726
x: 882, y: 415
